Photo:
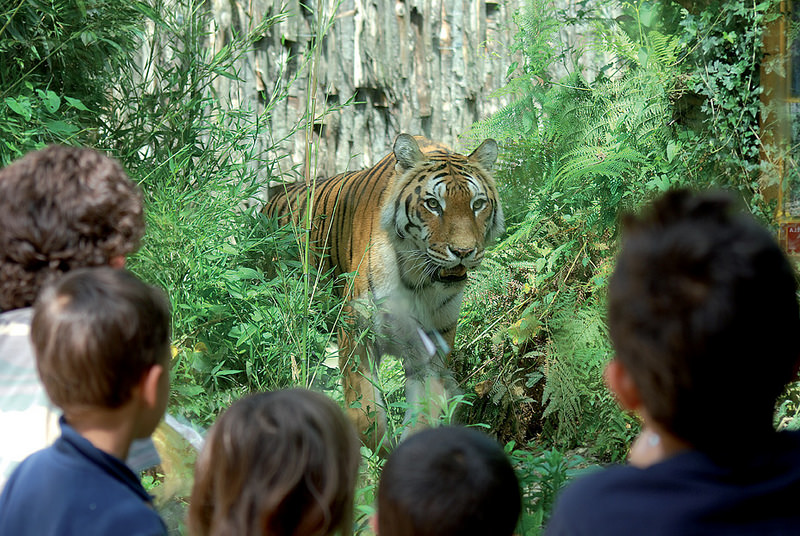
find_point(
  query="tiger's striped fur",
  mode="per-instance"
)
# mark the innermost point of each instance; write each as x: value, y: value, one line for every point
x: 410, y: 227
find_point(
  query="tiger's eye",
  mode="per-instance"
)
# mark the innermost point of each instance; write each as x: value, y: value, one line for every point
x: 478, y: 204
x: 432, y: 205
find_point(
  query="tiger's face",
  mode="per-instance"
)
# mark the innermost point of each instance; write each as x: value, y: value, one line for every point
x: 442, y: 211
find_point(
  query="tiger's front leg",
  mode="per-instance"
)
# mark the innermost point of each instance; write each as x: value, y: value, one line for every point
x: 429, y: 384
x: 363, y: 401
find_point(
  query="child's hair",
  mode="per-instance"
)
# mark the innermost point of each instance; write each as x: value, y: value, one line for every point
x: 95, y: 332
x: 703, y: 314
x: 280, y: 463
x: 449, y: 481
x: 62, y: 208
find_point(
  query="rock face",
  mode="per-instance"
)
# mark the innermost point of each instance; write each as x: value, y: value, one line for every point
x: 418, y: 66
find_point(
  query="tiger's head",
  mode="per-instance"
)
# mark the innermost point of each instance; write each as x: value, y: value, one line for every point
x: 442, y: 210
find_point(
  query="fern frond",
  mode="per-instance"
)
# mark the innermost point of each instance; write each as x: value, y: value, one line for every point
x: 599, y: 161
x: 664, y: 49
x: 614, y: 41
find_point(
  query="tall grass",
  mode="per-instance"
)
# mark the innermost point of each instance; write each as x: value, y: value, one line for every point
x: 59, y: 60
x: 245, y: 316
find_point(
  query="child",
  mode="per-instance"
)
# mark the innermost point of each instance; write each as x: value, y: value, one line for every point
x: 703, y: 315
x: 280, y: 463
x: 61, y: 208
x: 449, y: 481
x: 101, y: 339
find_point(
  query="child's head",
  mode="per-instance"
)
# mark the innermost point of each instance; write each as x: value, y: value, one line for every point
x: 280, y: 463
x: 449, y: 481
x: 703, y: 315
x: 96, y: 333
x: 62, y: 208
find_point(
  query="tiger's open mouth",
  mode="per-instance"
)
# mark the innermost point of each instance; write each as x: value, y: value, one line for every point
x: 452, y: 275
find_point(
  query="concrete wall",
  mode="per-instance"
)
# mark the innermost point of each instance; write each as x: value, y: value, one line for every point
x: 418, y: 66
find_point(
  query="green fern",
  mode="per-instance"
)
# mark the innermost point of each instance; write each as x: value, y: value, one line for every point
x: 579, y: 150
x: 664, y: 49
x: 576, y: 400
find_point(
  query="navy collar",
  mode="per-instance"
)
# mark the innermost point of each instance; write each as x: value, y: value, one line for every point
x: 74, y: 443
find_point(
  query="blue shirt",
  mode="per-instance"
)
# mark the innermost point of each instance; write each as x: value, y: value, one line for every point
x: 74, y: 488
x: 28, y: 420
x: 689, y: 494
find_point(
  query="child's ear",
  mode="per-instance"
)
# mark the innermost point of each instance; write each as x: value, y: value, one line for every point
x: 117, y: 262
x: 620, y: 383
x: 150, y: 385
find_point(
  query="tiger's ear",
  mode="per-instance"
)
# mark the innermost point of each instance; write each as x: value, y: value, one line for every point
x: 407, y: 152
x: 485, y: 154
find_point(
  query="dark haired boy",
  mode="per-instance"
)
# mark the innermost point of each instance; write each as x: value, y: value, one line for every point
x: 61, y: 208
x: 703, y: 315
x: 449, y: 481
x: 101, y: 338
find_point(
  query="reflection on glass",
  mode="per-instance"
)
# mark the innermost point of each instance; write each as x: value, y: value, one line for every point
x: 791, y: 169
x: 794, y: 51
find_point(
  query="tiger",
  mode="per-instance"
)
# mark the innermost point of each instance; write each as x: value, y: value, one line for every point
x: 410, y: 228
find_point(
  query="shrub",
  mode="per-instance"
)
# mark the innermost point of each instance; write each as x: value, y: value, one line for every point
x: 578, y: 149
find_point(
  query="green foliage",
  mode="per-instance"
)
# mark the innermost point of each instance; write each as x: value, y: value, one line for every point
x: 723, y: 69
x: 676, y: 103
x: 787, y: 414
x: 533, y: 41
x: 94, y: 73
x: 60, y: 59
x: 151, y: 482
x: 574, y: 394
x: 541, y: 474
x: 243, y: 318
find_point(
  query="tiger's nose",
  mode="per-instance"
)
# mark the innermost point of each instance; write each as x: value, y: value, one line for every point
x: 461, y: 253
